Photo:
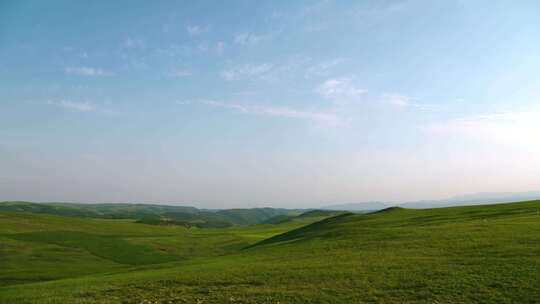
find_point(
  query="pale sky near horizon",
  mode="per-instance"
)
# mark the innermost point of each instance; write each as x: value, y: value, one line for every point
x: 278, y: 103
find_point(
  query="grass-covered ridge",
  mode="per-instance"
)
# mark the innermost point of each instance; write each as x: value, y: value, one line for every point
x: 153, y: 214
x: 40, y: 247
x: 477, y: 254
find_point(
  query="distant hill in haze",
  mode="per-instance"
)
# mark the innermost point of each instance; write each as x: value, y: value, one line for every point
x: 474, y: 199
x: 153, y: 214
x: 461, y: 200
x: 191, y: 216
x: 364, y: 206
x: 251, y: 216
x: 282, y: 218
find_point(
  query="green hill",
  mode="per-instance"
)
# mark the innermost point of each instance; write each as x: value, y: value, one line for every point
x: 111, y: 211
x: 152, y: 214
x: 476, y: 254
x: 283, y: 218
x: 42, y: 247
x: 252, y: 216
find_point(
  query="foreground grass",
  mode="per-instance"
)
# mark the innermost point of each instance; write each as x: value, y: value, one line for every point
x: 41, y: 247
x: 480, y: 254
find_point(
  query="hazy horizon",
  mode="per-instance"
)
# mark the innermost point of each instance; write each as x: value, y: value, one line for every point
x: 468, y: 199
x: 244, y: 104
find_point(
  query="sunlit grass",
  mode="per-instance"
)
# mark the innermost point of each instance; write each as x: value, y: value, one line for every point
x: 480, y: 254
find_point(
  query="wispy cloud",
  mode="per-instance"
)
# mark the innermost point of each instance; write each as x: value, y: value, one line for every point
x: 397, y: 100
x: 287, y: 68
x: 323, y: 68
x: 196, y: 30
x: 375, y: 12
x: 318, y: 117
x: 340, y: 90
x: 86, y: 71
x: 75, y: 106
x: 405, y: 101
x: 247, y: 38
x: 173, y: 50
x: 220, y: 47
x: 246, y: 70
x: 133, y: 43
x: 135, y: 53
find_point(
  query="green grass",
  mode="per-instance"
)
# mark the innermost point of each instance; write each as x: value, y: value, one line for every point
x: 477, y: 254
x: 107, y: 247
x: 156, y: 214
x: 41, y: 247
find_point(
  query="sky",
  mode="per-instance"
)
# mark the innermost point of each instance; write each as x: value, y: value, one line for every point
x: 221, y: 104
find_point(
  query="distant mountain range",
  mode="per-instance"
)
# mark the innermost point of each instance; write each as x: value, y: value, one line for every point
x: 468, y: 199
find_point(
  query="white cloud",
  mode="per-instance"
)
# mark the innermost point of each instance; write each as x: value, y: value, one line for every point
x: 73, y: 105
x: 247, y: 38
x: 135, y: 53
x: 287, y: 68
x: 133, y: 43
x: 246, y: 70
x: 203, y: 47
x: 397, y: 100
x: 195, y: 30
x: 318, y: 117
x: 404, y: 101
x: 340, y: 90
x: 86, y: 71
x: 173, y: 50
x: 220, y: 47
x: 323, y: 68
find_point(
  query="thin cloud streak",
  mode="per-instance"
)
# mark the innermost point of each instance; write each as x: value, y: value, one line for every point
x: 195, y: 30
x: 340, y: 90
x: 397, y: 100
x: 86, y: 71
x: 73, y: 105
x: 323, y: 68
x: 246, y: 70
x: 325, y: 118
x: 247, y: 38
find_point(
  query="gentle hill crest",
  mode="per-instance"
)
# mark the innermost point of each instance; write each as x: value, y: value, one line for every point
x: 153, y: 214
x: 347, y: 224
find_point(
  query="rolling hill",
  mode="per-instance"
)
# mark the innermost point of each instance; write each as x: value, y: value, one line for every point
x: 482, y: 198
x: 153, y: 214
x: 471, y: 254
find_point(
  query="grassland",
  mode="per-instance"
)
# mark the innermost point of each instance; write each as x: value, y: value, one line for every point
x: 156, y: 214
x: 477, y: 254
x: 40, y: 247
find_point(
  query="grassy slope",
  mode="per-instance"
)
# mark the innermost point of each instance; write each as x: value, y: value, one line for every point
x: 95, y: 210
x: 150, y: 213
x: 283, y: 218
x: 40, y: 247
x: 483, y: 254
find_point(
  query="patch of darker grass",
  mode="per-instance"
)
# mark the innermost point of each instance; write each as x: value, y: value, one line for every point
x: 107, y: 247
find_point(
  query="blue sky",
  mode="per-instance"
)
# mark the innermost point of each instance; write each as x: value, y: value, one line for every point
x: 280, y: 103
